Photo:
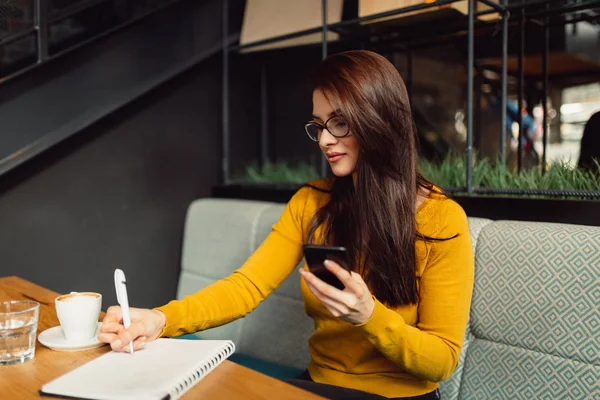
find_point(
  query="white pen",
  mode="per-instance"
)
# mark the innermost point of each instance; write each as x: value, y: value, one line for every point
x: 121, y: 290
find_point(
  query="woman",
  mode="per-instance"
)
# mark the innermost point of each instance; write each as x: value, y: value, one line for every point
x: 397, y: 328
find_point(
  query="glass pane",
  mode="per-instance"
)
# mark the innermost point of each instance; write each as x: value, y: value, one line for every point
x: 578, y: 104
x: 93, y: 17
x: 15, y: 17
x: 56, y: 6
x: 17, y: 55
x: 83, y: 25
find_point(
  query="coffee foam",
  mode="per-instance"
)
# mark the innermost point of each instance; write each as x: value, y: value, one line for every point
x: 78, y: 296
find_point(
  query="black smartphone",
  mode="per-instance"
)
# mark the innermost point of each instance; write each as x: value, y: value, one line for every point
x: 315, y: 255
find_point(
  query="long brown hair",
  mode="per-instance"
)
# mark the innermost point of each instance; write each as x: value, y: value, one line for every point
x: 375, y: 219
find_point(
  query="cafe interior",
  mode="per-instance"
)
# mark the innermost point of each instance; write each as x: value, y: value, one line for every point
x: 149, y: 147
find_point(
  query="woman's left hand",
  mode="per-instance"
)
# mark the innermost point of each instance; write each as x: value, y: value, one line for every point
x: 354, y: 304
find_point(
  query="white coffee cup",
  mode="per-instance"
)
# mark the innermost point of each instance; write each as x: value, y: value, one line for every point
x: 78, y: 314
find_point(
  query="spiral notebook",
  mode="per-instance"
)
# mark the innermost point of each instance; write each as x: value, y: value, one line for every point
x: 163, y: 369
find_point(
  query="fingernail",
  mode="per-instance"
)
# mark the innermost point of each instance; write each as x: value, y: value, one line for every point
x: 117, y: 344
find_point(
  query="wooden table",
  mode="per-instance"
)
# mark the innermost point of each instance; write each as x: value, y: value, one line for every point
x: 23, y: 381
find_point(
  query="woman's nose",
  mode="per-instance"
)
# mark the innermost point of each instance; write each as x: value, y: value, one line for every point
x: 327, y: 139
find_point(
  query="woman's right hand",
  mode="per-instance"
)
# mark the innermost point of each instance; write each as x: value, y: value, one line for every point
x: 146, y: 326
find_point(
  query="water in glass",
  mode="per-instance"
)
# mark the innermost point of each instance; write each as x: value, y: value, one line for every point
x: 18, y: 328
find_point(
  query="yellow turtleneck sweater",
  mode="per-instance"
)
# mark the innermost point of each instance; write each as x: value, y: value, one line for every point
x: 399, y: 352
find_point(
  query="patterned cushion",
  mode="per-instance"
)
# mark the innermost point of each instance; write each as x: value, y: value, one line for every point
x: 536, y: 297
x: 499, y: 371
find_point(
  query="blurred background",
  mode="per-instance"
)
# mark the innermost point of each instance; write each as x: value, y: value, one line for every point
x: 116, y: 114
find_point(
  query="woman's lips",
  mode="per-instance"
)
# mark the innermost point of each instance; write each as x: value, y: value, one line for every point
x: 333, y: 157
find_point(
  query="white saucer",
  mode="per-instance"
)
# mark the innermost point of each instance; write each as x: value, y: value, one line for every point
x: 55, y: 340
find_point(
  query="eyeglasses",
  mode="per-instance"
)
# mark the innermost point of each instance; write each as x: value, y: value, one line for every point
x: 335, y: 125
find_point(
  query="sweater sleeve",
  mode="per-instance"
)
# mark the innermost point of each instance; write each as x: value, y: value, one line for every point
x: 431, y: 349
x: 241, y: 292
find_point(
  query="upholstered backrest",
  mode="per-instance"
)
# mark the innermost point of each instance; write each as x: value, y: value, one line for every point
x: 219, y: 236
x: 535, y: 316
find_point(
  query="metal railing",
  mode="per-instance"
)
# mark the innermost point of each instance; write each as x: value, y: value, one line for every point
x: 43, y: 19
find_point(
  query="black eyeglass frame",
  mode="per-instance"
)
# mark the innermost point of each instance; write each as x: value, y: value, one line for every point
x: 324, y: 126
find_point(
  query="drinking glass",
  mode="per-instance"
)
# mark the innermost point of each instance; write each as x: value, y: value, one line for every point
x: 18, y: 330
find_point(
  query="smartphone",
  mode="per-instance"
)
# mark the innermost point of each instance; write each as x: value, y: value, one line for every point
x: 315, y: 255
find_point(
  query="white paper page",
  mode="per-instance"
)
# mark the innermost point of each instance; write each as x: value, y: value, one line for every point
x: 147, y: 374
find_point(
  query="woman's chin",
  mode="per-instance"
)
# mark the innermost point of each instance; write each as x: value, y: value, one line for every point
x: 340, y: 171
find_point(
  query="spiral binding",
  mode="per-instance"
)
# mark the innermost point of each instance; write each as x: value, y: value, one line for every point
x: 195, y: 375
